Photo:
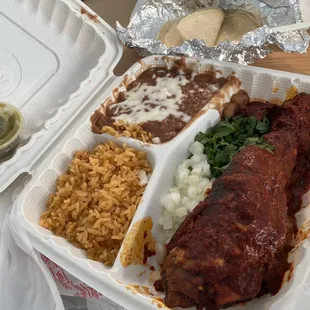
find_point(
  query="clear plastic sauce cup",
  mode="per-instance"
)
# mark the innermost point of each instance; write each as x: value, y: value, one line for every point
x: 11, y: 122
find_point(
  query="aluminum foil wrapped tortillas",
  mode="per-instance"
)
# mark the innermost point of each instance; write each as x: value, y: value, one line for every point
x: 146, y: 32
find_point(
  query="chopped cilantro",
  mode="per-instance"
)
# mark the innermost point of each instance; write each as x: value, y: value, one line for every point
x: 228, y: 137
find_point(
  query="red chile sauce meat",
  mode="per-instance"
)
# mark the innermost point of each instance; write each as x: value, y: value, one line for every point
x: 234, y: 245
x: 196, y: 96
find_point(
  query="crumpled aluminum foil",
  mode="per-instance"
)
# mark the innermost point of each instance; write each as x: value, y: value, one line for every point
x: 146, y: 23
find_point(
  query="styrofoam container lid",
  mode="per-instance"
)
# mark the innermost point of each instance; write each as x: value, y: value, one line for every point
x: 54, y: 56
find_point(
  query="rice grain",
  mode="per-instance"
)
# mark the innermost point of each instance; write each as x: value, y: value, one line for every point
x: 135, y: 131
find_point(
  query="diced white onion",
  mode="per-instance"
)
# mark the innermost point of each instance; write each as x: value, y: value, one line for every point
x: 180, y: 212
x: 174, y: 189
x: 156, y: 140
x: 196, y: 158
x: 191, y: 206
x: 168, y: 224
x: 192, y: 191
x: 196, y: 148
x: 192, y: 181
x: 143, y: 178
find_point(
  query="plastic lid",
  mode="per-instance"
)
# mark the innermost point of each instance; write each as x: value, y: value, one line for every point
x: 10, y: 128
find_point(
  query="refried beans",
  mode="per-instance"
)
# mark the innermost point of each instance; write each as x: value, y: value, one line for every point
x: 162, y: 101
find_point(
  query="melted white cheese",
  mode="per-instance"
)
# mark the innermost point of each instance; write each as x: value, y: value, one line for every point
x: 166, y: 95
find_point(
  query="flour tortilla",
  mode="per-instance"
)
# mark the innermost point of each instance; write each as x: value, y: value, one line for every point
x: 236, y: 24
x: 204, y: 24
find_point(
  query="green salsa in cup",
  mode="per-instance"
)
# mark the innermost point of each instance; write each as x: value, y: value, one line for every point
x: 11, y: 122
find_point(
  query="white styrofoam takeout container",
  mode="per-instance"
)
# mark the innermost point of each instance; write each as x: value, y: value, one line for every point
x: 56, y: 66
x: 54, y: 56
x: 129, y: 286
